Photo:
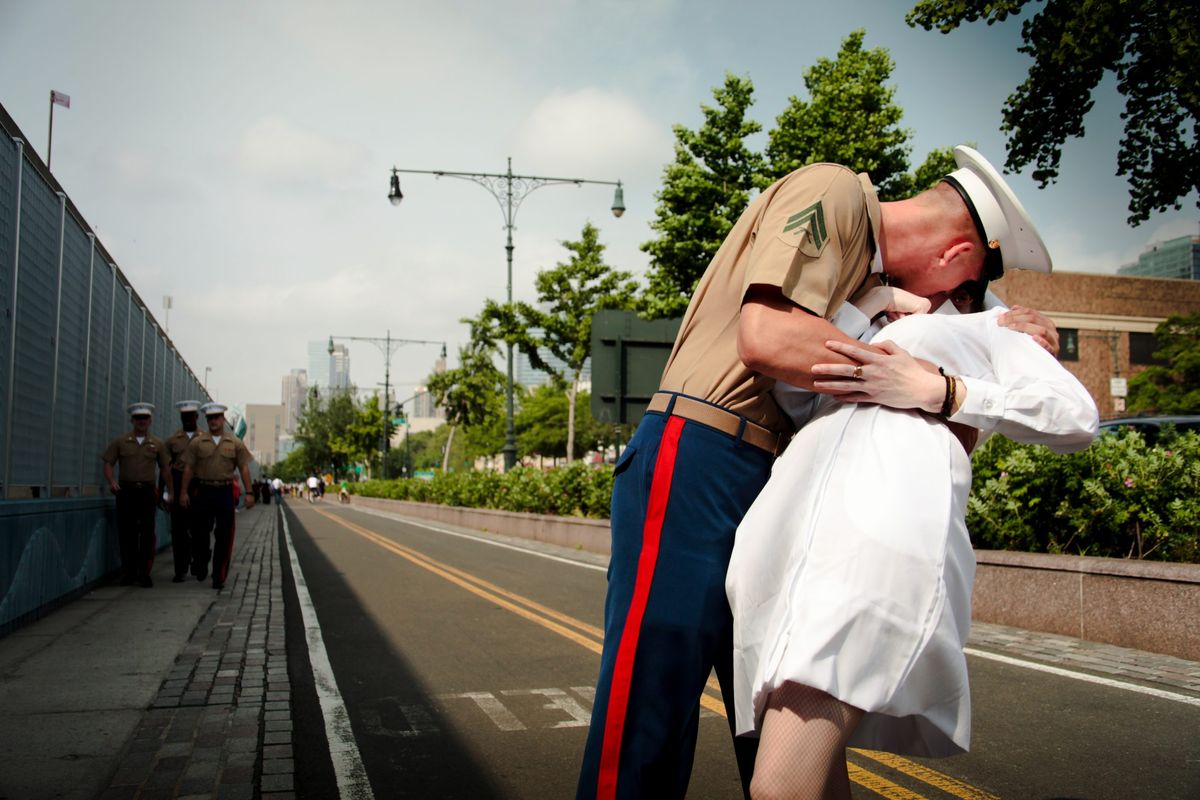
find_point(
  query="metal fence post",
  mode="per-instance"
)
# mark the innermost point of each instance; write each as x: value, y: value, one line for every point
x: 87, y: 359
x: 62, y: 232
x: 12, y: 321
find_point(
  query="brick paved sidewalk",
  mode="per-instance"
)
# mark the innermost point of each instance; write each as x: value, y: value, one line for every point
x: 221, y: 725
x: 1151, y: 669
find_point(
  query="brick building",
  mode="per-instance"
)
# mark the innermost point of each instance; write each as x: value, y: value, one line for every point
x: 1106, y: 322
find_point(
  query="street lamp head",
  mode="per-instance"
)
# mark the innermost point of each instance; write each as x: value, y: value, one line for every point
x: 618, y: 206
x: 394, y: 194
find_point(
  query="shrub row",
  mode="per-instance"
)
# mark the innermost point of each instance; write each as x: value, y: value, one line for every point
x: 578, y: 490
x: 1122, y: 497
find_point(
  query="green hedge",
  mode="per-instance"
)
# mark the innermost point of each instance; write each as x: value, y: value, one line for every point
x: 579, y: 490
x: 1119, y: 498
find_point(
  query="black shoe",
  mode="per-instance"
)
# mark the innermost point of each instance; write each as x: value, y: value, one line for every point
x: 177, y: 579
x: 202, y: 574
x: 128, y: 580
x: 145, y: 582
x: 218, y: 585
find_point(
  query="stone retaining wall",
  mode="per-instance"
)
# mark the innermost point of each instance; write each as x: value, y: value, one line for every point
x: 1146, y: 605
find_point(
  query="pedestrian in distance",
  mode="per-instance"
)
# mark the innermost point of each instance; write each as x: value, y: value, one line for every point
x: 213, y: 458
x: 189, y: 549
x: 344, y: 493
x: 313, y: 491
x: 705, y: 447
x: 141, y: 465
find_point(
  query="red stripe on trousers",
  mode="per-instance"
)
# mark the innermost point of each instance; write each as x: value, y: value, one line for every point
x: 618, y: 693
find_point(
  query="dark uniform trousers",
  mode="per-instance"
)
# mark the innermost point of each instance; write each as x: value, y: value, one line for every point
x: 188, y: 545
x: 214, y: 505
x: 679, y: 492
x: 136, y: 507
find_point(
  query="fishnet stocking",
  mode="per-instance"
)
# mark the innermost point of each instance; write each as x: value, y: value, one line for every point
x: 802, y: 750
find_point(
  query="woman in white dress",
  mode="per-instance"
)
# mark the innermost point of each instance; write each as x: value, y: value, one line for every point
x: 851, y: 575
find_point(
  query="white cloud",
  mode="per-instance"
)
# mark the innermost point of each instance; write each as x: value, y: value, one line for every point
x: 592, y: 129
x: 280, y: 151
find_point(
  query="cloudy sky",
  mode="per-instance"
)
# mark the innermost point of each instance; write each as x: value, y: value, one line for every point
x: 236, y: 155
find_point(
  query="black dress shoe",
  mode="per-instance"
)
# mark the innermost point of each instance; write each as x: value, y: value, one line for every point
x: 177, y: 579
x: 145, y: 582
x: 218, y: 585
x: 202, y: 574
x: 128, y: 580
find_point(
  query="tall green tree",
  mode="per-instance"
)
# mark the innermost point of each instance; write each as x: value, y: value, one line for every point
x: 1173, y: 385
x: 472, y: 394
x: 335, y: 433
x: 704, y: 191
x: 1151, y: 46
x: 850, y: 118
x: 560, y: 325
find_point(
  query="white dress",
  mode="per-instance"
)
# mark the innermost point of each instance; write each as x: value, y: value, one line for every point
x: 852, y: 571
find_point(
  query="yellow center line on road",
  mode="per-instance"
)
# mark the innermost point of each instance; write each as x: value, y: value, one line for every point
x: 558, y: 622
x: 930, y: 776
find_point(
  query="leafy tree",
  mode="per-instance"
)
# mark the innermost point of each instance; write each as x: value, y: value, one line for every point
x: 336, y: 433
x: 1150, y: 45
x: 542, y: 422
x: 851, y: 119
x: 704, y: 191
x: 473, y: 393
x: 1173, y: 386
x: 568, y: 296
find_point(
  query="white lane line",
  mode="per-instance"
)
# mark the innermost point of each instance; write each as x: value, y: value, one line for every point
x: 1083, y: 676
x: 485, y: 540
x: 348, y: 767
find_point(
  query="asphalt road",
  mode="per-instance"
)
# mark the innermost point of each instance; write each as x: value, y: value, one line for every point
x: 466, y: 671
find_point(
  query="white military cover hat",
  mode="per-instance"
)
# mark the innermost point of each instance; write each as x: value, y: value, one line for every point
x: 213, y: 409
x: 185, y: 406
x: 1005, y: 227
x: 141, y: 409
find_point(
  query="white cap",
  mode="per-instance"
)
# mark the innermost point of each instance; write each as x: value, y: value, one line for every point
x: 187, y: 406
x: 213, y: 409
x: 141, y: 409
x: 1003, y: 223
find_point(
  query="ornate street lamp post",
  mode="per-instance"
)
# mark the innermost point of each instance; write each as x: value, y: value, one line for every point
x: 509, y: 190
x: 387, y: 346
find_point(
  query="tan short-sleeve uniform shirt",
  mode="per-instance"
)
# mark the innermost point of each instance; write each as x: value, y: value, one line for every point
x: 177, y: 444
x: 211, y: 461
x: 136, y: 462
x: 811, y: 235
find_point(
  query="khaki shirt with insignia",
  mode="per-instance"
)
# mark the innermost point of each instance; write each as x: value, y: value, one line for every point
x: 811, y: 235
x: 136, y: 462
x: 216, y: 462
x: 177, y: 445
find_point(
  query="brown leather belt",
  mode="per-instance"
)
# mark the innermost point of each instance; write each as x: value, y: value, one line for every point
x: 215, y: 483
x: 721, y: 419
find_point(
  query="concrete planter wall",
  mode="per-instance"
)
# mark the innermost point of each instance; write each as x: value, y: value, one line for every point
x: 1141, y: 604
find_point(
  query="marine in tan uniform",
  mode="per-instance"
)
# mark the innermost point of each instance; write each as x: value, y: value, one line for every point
x: 190, y: 551
x: 213, y: 458
x: 705, y: 447
x: 140, y: 461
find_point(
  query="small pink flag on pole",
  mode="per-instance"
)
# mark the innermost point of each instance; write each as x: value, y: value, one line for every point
x: 58, y: 98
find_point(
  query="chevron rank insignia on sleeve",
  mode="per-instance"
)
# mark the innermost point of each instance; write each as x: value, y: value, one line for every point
x: 812, y: 221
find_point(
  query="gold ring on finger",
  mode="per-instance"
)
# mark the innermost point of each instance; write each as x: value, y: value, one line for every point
x: 858, y: 373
